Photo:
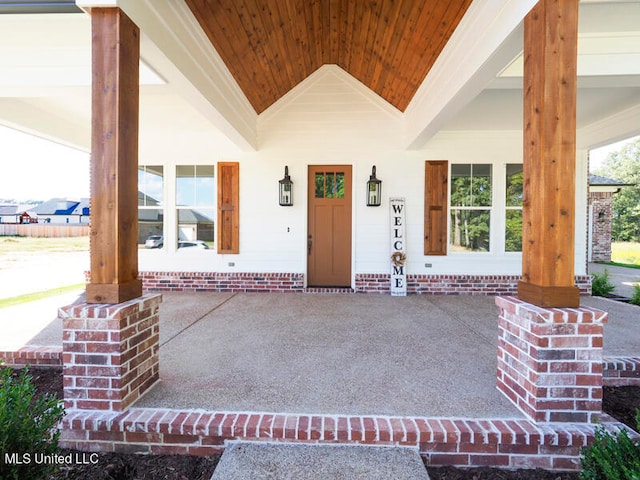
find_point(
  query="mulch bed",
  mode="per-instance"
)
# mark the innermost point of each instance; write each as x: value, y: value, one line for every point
x: 619, y: 402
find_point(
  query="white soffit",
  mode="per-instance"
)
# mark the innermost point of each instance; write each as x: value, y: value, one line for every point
x: 52, y: 50
x: 608, y: 40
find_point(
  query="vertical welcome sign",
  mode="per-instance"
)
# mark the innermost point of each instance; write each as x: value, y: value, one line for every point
x: 398, y: 247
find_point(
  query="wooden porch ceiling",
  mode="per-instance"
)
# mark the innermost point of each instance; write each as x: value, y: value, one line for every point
x: 272, y: 45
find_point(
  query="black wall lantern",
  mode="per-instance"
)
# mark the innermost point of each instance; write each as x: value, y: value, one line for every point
x: 374, y: 189
x: 286, y: 189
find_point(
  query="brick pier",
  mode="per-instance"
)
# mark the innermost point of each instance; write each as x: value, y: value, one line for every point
x: 109, y: 353
x: 550, y: 360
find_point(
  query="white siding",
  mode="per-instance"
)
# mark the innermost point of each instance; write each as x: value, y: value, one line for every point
x: 333, y: 119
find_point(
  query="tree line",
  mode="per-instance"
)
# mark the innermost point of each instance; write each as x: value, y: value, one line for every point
x: 624, y: 165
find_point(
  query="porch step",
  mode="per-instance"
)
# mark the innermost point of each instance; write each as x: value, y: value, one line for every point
x: 255, y: 461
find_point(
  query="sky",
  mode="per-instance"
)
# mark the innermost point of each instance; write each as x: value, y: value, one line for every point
x: 597, y: 156
x: 36, y: 169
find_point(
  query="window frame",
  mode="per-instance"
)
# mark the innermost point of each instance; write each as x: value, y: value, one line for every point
x: 161, y: 206
x: 491, y: 209
x: 181, y: 206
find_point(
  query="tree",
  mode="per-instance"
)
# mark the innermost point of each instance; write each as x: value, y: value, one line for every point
x: 624, y: 165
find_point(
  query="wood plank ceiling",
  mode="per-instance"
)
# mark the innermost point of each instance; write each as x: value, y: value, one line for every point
x: 272, y: 45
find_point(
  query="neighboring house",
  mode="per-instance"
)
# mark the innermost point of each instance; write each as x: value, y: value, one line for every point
x: 223, y: 114
x: 16, y: 214
x: 601, y: 191
x: 63, y: 210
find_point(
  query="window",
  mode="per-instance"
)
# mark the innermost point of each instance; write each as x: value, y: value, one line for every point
x: 329, y: 185
x: 150, y: 203
x: 471, y: 201
x: 195, y: 205
x: 513, y: 214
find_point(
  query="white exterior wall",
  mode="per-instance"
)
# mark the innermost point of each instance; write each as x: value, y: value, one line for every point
x: 333, y: 119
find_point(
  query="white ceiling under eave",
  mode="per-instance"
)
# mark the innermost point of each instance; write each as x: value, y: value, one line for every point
x: 608, y: 97
x: 45, y: 72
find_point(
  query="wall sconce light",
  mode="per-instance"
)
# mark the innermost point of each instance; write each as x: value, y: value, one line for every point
x: 374, y: 189
x: 602, y: 216
x: 286, y: 189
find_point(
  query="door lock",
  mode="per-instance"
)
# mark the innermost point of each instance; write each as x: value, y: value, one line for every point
x: 309, y: 243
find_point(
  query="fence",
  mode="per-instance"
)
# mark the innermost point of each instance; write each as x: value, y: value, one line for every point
x: 43, y: 230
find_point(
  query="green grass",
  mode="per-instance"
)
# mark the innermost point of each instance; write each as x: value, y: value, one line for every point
x: 14, y: 244
x: 625, y: 254
x: 32, y: 297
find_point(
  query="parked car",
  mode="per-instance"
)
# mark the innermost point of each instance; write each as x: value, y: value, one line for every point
x: 192, y: 243
x: 154, y: 241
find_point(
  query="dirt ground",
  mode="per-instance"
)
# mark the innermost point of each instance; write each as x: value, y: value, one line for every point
x: 619, y: 402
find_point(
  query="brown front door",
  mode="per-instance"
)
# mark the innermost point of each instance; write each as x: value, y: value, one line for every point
x: 329, y: 231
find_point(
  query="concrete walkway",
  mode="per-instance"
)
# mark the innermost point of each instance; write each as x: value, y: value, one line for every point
x: 34, y: 323
x: 252, y: 461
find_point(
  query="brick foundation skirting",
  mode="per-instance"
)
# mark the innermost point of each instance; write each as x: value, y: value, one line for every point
x: 364, y: 283
x: 441, y: 441
x: 454, y: 284
x: 221, y: 282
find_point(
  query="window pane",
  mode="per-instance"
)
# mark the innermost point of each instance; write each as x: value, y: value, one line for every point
x: 481, y: 185
x: 150, y: 185
x: 470, y: 230
x: 150, y: 227
x: 196, y: 228
x: 513, y: 234
x: 319, y: 185
x: 330, y: 186
x: 195, y: 185
x: 460, y: 185
x: 205, y: 184
x: 514, y: 185
x: 340, y: 185
x: 185, y: 185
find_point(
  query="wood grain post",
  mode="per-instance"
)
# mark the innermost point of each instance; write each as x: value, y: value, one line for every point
x: 550, y: 78
x: 114, y: 158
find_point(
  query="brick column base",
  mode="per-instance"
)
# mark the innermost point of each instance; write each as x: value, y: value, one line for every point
x: 550, y: 360
x: 109, y: 353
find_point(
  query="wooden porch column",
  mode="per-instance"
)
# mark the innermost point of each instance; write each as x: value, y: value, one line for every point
x: 114, y: 158
x: 550, y: 78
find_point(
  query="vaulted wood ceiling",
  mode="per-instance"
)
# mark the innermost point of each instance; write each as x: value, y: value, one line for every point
x: 272, y: 45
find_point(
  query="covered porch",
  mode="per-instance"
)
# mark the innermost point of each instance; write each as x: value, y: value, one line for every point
x: 416, y: 371
x: 347, y: 369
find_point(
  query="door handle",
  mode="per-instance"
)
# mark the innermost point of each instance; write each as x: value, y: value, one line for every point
x: 309, y: 243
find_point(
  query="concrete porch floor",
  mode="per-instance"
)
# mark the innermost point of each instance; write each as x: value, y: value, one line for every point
x: 349, y: 354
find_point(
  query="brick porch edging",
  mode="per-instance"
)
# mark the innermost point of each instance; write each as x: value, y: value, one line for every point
x: 505, y: 443
x: 621, y: 371
x: 444, y: 284
x: 34, y: 356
